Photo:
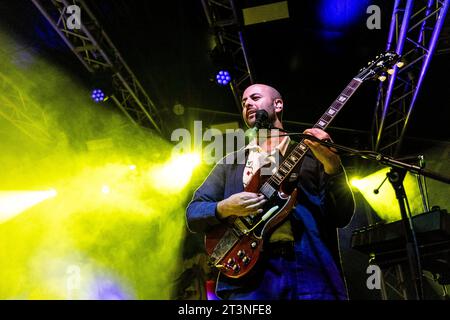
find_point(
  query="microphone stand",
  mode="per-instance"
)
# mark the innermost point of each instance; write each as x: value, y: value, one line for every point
x: 375, y: 156
x: 396, y: 176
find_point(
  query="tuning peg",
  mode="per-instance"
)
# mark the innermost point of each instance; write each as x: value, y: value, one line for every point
x: 390, y: 71
x: 382, y: 78
x: 400, y: 64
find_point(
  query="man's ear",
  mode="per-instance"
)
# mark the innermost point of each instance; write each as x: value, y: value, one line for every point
x: 278, y: 105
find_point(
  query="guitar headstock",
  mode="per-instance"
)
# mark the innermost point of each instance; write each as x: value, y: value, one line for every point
x: 377, y: 68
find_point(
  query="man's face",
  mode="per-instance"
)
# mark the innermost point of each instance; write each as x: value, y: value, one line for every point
x: 257, y: 97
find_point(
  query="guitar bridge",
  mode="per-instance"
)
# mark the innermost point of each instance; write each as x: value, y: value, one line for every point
x: 229, y: 239
x: 241, y: 225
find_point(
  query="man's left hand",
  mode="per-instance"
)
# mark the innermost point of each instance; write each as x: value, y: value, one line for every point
x: 327, y: 156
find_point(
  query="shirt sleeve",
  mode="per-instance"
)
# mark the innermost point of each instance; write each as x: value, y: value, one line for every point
x: 338, y: 197
x: 201, y: 211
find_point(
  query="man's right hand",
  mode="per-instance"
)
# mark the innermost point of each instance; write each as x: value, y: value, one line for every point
x: 241, y: 204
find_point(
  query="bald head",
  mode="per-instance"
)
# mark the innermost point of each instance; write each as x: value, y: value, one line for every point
x: 262, y: 97
x: 270, y: 91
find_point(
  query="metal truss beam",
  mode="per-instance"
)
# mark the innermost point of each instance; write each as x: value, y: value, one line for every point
x: 22, y: 112
x: 95, y: 50
x: 414, y: 32
x: 224, y: 22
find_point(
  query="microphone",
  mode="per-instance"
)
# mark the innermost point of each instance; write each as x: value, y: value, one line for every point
x: 262, y: 120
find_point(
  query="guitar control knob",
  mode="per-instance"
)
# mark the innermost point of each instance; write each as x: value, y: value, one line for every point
x: 253, y: 244
x: 231, y: 261
x: 241, y: 253
x: 236, y: 268
x: 246, y: 260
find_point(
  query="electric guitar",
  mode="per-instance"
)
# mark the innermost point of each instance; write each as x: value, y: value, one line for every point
x: 235, y: 247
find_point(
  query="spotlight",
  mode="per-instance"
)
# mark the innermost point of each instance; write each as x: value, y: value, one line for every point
x: 97, y: 95
x: 52, y: 193
x: 356, y: 182
x: 384, y: 201
x: 223, y: 77
x: 337, y: 15
x: 176, y: 173
x: 13, y: 203
x: 105, y: 189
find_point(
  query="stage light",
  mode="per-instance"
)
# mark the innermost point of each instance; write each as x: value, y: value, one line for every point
x: 356, y: 183
x: 175, y: 175
x: 224, y: 64
x: 13, y: 203
x: 339, y: 14
x: 223, y: 77
x: 383, y: 199
x: 98, y: 95
x: 132, y: 167
x: 105, y: 189
x: 53, y: 193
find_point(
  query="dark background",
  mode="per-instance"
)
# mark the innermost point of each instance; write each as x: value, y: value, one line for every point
x: 309, y: 58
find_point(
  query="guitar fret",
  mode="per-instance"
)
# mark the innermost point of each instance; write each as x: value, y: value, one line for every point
x: 327, y: 117
x: 276, y: 179
x: 283, y: 169
x: 299, y: 151
x: 354, y: 83
x: 337, y: 105
x: 288, y: 164
x: 321, y: 124
x: 348, y: 91
x: 342, y: 98
x: 332, y: 111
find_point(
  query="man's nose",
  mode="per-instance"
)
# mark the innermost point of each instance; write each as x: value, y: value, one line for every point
x: 248, y: 104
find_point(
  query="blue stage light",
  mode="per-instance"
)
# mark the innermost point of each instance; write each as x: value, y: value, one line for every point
x: 97, y: 95
x: 223, y: 77
x: 339, y: 14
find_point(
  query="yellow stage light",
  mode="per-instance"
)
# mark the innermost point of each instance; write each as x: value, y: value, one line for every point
x: 356, y: 182
x: 106, y: 189
x: 385, y: 203
x: 13, y: 203
x: 175, y: 175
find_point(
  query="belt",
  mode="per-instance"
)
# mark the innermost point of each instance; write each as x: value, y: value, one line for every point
x: 280, y: 248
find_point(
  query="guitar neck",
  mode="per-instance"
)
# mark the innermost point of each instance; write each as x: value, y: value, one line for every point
x: 337, y: 105
x: 291, y: 161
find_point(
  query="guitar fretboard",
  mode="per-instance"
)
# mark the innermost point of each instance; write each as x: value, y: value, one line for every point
x: 289, y: 163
